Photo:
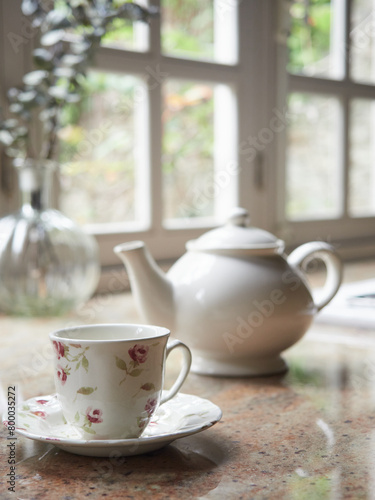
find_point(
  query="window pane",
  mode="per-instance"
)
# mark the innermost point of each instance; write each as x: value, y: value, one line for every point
x: 188, y: 142
x: 313, y: 181
x: 97, y: 151
x: 362, y: 158
x: 313, y: 39
x: 125, y: 34
x: 200, y: 29
x: 362, y: 41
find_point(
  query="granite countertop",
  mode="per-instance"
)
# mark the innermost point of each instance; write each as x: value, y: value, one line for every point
x: 308, y: 434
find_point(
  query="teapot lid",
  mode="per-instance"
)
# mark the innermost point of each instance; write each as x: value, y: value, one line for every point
x: 237, y: 235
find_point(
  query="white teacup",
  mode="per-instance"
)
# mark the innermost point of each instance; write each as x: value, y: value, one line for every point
x: 109, y: 378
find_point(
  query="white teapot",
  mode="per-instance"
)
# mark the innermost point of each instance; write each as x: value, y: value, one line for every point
x: 234, y: 297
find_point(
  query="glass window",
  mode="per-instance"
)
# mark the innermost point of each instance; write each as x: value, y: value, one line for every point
x: 362, y: 158
x: 313, y: 39
x: 98, y: 146
x: 313, y: 161
x: 188, y: 28
x: 199, y: 150
x: 188, y: 149
x: 200, y: 29
x: 362, y: 39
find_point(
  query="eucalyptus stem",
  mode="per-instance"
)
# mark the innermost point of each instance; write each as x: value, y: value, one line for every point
x: 60, y: 62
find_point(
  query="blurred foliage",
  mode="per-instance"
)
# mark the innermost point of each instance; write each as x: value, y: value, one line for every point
x: 97, y: 150
x: 188, y: 28
x: 69, y: 32
x: 309, y: 39
x: 187, y: 129
x: 188, y: 143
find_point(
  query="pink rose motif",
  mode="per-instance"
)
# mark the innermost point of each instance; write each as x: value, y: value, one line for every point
x: 138, y: 353
x: 41, y: 414
x: 151, y: 406
x: 61, y: 374
x: 59, y: 349
x: 42, y: 401
x: 94, y: 416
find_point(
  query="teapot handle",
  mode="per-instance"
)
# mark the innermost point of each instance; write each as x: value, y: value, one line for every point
x: 325, y: 252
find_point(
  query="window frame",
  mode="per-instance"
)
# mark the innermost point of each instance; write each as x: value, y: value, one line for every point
x: 169, y: 243
x: 353, y: 236
x: 262, y: 85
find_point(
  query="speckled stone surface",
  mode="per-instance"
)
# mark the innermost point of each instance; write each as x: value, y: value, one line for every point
x: 309, y: 434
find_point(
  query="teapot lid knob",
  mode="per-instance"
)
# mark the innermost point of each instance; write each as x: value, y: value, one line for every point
x: 239, y: 217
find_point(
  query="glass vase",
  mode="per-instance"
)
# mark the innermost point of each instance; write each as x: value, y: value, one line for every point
x: 48, y: 264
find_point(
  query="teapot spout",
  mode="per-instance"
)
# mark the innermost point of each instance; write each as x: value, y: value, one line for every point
x: 152, y: 290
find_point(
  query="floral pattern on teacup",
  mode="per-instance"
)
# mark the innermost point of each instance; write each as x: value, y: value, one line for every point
x: 151, y: 406
x: 59, y: 348
x: 63, y: 351
x: 62, y: 374
x: 138, y: 355
x: 90, y: 417
x: 38, y: 413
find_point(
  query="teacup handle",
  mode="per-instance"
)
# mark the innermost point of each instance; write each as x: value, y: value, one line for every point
x: 186, y: 363
x: 333, y: 264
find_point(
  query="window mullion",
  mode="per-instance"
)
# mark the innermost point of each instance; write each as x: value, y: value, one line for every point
x: 345, y: 154
x: 298, y: 83
x: 348, y: 12
x: 155, y: 131
x: 346, y: 110
x: 212, y: 72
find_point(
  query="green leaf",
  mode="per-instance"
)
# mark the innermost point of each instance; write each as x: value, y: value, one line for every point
x: 148, y: 387
x: 21, y: 132
x: 52, y: 37
x: 58, y: 92
x: 87, y: 429
x: 16, y: 108
x: 72, y: 60
x: 29, y: 7
x: 6, y: 137
x: 73, y: 98
x: 80, y: 47
x: 86, y: 390
x: 76, y: 417
x: 136, y: 373
x: 64, y: 72
x: 120, y: 363
x: 43, y: 58
x: 11, y: 123
x: 57, y: 19
x: 85, y: 363
x: 12, y: 94
x: 35, y: 78
x: 27, y: 97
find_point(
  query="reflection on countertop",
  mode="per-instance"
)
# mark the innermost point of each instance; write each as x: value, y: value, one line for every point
x: 307, y: 434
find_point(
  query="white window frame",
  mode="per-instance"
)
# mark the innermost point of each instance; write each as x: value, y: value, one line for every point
x: 260, y: 80
x: 353, y: 236
x: 168, y: 243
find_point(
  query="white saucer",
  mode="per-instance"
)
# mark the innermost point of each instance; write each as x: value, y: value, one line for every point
x: 41, y: 419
